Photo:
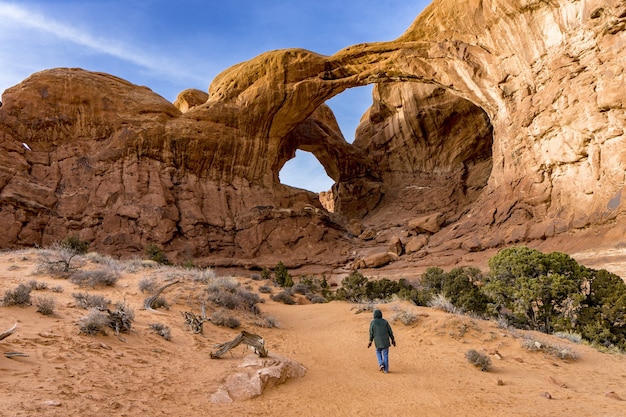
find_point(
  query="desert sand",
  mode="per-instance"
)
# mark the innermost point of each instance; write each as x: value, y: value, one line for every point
x: 141, y: 373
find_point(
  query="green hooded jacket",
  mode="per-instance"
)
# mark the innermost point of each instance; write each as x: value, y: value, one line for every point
x: 380, y: 331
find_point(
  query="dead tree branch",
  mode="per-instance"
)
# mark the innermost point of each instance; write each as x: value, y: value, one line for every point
x: 194, y: 321
x: 149, y: 302
x: 9, y: 332
x: 255, y: 341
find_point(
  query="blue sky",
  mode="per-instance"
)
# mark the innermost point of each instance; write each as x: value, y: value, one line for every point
x: 169, y: 46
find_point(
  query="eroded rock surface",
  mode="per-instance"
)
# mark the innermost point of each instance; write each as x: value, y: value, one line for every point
x: 504, y: 118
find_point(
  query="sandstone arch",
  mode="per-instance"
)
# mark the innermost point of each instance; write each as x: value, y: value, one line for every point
x: 123, y: 167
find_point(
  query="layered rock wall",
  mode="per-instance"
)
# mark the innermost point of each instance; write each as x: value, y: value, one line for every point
x: 504, y: 119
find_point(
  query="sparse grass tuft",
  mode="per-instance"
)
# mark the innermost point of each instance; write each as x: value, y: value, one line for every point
x: 572, y: 337
x: 267, y: 322
x: 88, y: 301
x: 479, y: 360
x: 283, y: 297
x: 221, y: 318
x: 19, y: 296
x: 148, y: 285
x: 45, y: 305
x: 38, y: 285
x: 440, y: 302
x: 265, y: 289
x: 406, y: 317
x: 95, y: 322
x: 95, y: 278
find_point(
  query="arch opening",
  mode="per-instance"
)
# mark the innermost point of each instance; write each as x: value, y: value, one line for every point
x: 306, y: 172
x: 433, y: 150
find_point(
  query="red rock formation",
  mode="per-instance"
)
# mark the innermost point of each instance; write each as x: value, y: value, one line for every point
x: 505, y: 118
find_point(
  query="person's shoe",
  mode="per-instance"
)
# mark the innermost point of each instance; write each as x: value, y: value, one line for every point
x: 382, y: 368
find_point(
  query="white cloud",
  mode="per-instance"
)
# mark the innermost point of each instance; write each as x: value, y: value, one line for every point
x: 34, y: 27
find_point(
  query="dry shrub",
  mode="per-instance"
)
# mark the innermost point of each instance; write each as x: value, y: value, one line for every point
x: 265, y: 289
x: 234, y: 298
x: 162, y: 330
x: 95, y: 278
x: 267, y: 322
x: 222, y: 318
x: 283, y: 297
x: 440, y: 302
x: 45, y: 305
x: 316, y: 298
x: 148, y: 285
x: 19, y: 296
x: 38, y: 285
x: 479, y: 360
x: 406, y: 317
x: 95, y: 322
x: 87, y: 301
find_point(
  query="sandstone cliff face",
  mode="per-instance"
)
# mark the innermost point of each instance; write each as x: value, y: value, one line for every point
x: 502, y: 119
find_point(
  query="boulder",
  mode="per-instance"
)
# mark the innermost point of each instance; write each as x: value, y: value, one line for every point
x: 426, y: 224
x: 257, y: 374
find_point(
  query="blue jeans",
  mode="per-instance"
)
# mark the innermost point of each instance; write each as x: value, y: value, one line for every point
x: 382, y: 354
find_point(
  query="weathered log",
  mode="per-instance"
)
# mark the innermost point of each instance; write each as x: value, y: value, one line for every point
x: 9, y: 332
x: 149, y: 302
x: 255, y: 341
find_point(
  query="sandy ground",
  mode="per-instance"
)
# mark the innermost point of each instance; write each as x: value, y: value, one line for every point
x: 140, y: 373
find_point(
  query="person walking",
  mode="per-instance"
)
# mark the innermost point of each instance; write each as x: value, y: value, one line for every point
x: 381, y: 334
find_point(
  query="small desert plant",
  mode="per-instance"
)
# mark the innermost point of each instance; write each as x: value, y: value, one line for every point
x: 479, y: 360
x: 266, y: 274
x: 282, y: 276
x: 95, y: 278
x: 156, y: 254
x: 88, y: 301
x: 57, y: 288
x: 95, y: 322
x: 283, y: 297
x: 299, y: 289
x: 230, y: 296
x: 148, y: 285
x: 45, y: 305
x: 204, y: 275
x: 266, y: 322
x: 316, y: 298
x: 222, y: 283
x: 162, y: 330
x: 406, y: 317
x: 441, y: 302
x: 221, y: 318
x: 74, y: 244
x: 57, y: 260
x: 265, y: 289
x: 38, y: 285
x: 19, y: 296
x: 572, y: 337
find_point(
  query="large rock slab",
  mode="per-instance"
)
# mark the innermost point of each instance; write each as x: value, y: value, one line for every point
x: 256, y: 375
